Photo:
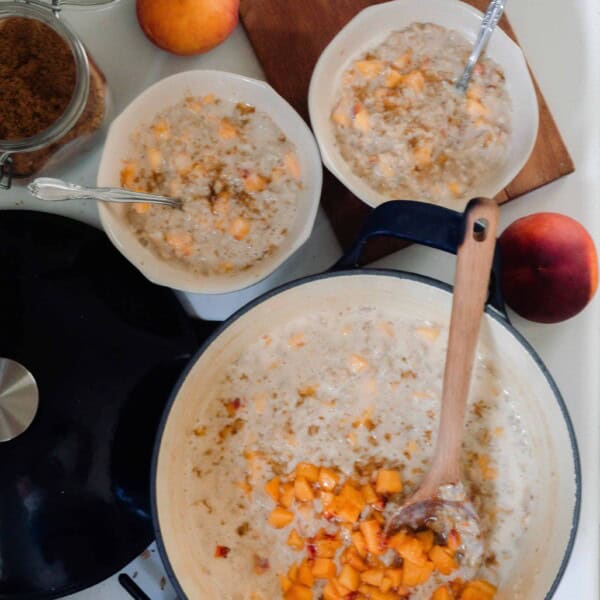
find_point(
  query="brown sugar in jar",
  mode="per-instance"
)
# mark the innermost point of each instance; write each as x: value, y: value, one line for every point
x: 39, y: 75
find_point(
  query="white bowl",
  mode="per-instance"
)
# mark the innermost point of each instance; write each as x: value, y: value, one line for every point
x: 370, y: 28
x: 235, y: 88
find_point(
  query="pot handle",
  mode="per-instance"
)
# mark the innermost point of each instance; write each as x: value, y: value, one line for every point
x: 422, y: 223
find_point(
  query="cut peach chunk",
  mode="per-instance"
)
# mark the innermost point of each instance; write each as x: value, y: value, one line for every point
x: 476, y: 109
x: 358, y: 363
x: 374, y: 593
x: 442, y: 560
x: 328, y: 478
x: 298, y: 592
x: 285, y: 583
x: 307, y: 470
x: 388, y: 482
x: 296, y: 340
x: 239, y: 228
x: 287, y: 495
x: 339, y: 588
x: 369, y: 68
x: 141, y: 208
x: 372, y: 533
x: 254, y: 183
x: 413, y: 574
x: 362, y: 120
x: 293, y: 573
x: 395, y: 576
x: 161, y: 129
x: 340, y: 115
x: 305, y: 574
x: 326, y: 548
x: 227, y: 130
x: 442, y: 593
x: 393, y: 79
x: 412, y: 550
x: 324, y: 568
x: 209, y: 99
x: 221, y: 205
x: 426, y: 539
x: 386, y: 584
x: 369, y: 494
x: 180, y: 241
x: 128, y: 175
x: 303, y: 491
x: 397, y: 540
x: 349, y: 578
x: 330, y: 593
x: 295, y: 540
x: 478, y: 590
x: 415, y: 81
x: 290, y: 160
x: 154, y: 157
x: 403, y: 61
x: 455, y: 189
x: 373, y: 577
x: 280, y: 517
x: 352, y: 557
x: 272, y: 489
x: 358, y: 539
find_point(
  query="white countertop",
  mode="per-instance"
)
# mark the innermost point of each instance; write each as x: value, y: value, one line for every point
x: 562, y: 42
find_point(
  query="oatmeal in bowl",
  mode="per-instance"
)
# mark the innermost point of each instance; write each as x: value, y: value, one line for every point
x: 244, y: 165
x: 393, y: 126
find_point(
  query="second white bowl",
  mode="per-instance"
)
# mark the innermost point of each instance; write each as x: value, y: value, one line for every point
x: 367, y: 30
x: 235, y: 88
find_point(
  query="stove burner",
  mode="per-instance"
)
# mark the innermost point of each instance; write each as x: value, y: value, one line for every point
x: 18, y: 399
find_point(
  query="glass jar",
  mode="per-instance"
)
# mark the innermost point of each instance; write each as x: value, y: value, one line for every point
x: 84, y: 112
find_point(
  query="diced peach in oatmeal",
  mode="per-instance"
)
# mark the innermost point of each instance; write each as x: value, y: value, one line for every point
x: 295, y: 540
x: 221, y: 205
x: 328, y: 478
x: 324, y: 568
x: 352, y: 557
x: 455, y: 189
x: 342, y: 590
x: 298, y: 592
x: 280, y: 517
x: 476, y: 108
x: 369, y: 68
x: 227, y: 130
x: 413, y: 574
x: 194, y: 105
x: 411, y: 549
x: 415, y: 81
x: 362, y: 120
x: 180, y: 241
x: 272, y: 489
x: 254, y: 183
x: 182, y: 163
x: 161, y: 130
x: 309, y: 471
x: 287, y: 495
x: 326, y: 548
x: 349, y: 578
x: 330, y: 593
x: 290, y: 160
x: 358, y: 363
x: 128, y: 175
x: 302, y: 490
x: 305, y: 574
x: 358, y: 539
x: 422, y: 155
x: 372, y: 577
x: 371, y: 530
x: 443, y: 560
x: 393, y: 79
x: 340, y: 115
x: 388, y: 482
x: 429, y: 333
x: 293, y: 573
x: 209, y: 99
x: 442, y: 593
x: 296, y: 340
x: 403, y: 61
x: 141, y: 208
x: 478, y: 590
x: 154, y: 157
x: 426, y: 538
x: 394, y: 576
x: 239, y: 228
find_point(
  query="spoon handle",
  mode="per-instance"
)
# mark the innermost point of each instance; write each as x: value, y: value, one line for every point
x: 488, y: 24
x: 56, y: 190
x: 473, y: 266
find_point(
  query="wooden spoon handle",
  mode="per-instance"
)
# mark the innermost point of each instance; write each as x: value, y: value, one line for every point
x: 471, y: 284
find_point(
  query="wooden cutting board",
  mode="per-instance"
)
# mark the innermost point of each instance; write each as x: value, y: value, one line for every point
x: 289, y: 35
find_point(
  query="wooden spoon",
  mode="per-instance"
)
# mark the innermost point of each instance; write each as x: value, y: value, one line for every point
x: 440, y: 502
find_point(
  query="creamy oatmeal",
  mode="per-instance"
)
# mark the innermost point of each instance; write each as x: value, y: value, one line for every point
x: 236, y: 172
x: 405, y: 130
x: 315, y: 427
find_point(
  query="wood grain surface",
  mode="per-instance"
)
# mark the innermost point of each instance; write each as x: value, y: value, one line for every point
x: 289, y: 35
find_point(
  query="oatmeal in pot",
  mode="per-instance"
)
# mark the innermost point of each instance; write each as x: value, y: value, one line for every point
x: 319, y: 425
x: 236, y: 172
x: 404, y: 129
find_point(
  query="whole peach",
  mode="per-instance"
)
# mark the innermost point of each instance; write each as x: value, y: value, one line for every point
x: 187, y: 26
x: 549, y: 267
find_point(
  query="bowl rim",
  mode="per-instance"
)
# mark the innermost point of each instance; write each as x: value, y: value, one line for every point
x: 333, y: 160
x: 489, y: 310
x: 151, y: 268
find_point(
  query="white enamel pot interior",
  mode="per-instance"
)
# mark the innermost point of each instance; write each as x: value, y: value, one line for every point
x: 544, y: 551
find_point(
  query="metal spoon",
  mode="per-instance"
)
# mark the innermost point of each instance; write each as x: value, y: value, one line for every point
x: 440, y: 503
x: 488, y: 24
x: 49, y: 189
